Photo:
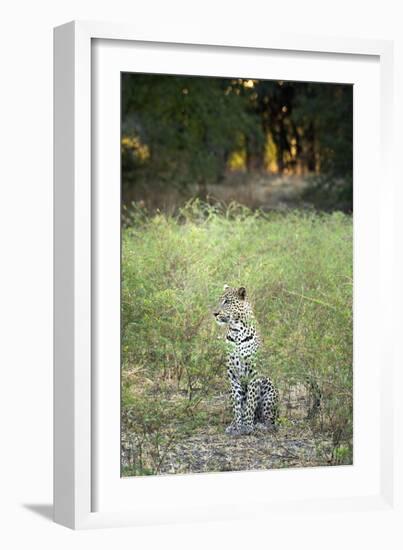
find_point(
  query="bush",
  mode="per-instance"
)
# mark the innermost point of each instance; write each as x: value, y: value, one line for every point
x: 297, y: 269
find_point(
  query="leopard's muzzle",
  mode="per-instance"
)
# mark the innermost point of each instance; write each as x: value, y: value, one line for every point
x: 220, y: 318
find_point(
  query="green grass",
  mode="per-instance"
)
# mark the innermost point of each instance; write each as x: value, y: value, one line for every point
x: 297, y: 269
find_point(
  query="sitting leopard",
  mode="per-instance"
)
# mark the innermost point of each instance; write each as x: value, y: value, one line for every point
x: 254, y: 398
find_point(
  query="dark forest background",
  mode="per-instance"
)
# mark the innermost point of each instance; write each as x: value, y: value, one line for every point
x: 262, y: 143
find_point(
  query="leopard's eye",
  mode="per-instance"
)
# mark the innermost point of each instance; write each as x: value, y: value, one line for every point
x: 225, y: 302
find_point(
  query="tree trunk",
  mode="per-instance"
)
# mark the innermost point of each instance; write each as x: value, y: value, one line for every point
x: 254, y: 155
x: 311, y: 154
x: 202, y: 190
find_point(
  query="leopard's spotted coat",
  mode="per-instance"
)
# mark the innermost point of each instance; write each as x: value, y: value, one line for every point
x: 254, y: 397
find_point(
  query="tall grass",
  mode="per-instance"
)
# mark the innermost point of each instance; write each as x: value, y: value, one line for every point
x: 297, y: 269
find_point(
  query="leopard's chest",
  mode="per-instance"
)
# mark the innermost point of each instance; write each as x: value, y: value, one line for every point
x: 242, y: 348
x: 243, y: 343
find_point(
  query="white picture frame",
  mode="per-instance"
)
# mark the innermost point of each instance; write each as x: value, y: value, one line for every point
x: 88, y: 491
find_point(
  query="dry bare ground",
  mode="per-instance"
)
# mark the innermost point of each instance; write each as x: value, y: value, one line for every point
x: 292, y: 444
x: 209, y: 451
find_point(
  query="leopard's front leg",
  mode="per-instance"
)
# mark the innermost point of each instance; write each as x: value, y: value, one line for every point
x: 237, y: 400
x: 252, y: 394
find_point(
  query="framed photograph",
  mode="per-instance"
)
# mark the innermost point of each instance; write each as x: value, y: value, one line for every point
x: 223, y: 279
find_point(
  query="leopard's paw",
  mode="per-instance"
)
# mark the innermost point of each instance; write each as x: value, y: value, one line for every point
x: 266, y: 427
x: 246, y: 430
x: 238, y: 430
x: 233, y: 429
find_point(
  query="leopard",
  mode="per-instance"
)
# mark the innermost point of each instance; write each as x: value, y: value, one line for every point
x: 254, y: 397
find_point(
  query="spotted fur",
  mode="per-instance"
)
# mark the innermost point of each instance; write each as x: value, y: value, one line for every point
x: 254, y: 398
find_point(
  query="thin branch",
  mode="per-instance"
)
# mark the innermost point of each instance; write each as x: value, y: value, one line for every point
x: 315, y: 300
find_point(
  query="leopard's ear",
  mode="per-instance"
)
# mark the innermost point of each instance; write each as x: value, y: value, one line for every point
x: 226, y: 287
x: 242, y: 292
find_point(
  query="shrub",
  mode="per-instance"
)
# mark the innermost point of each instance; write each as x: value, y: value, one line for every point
x: 297, y: 269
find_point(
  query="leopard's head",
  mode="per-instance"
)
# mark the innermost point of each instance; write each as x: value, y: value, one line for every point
x: 233, y: 306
